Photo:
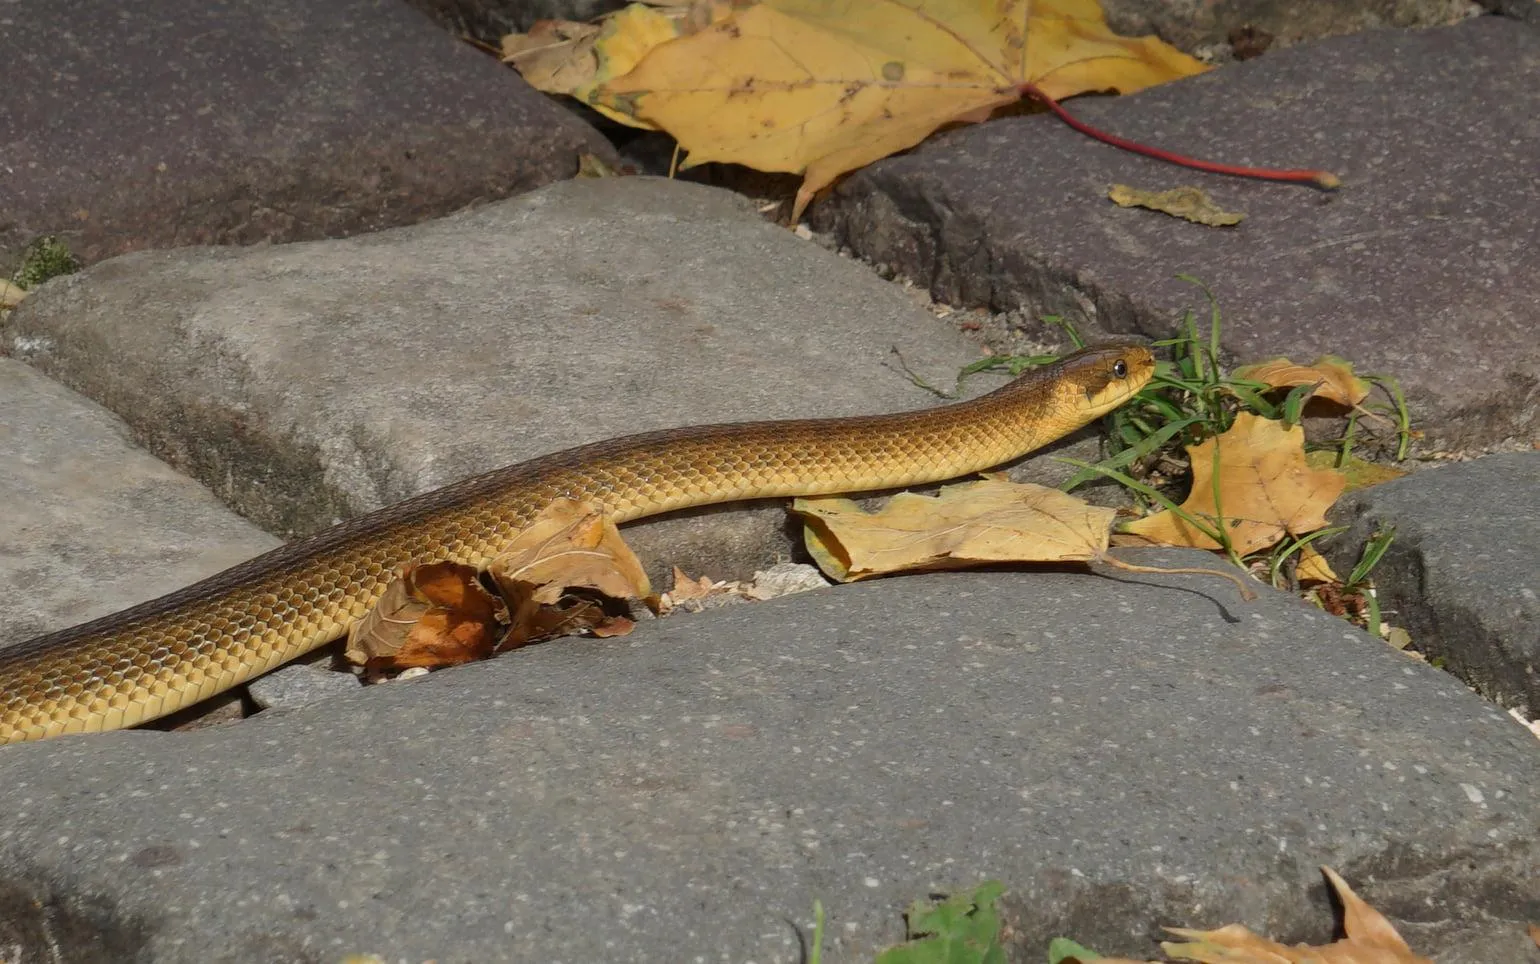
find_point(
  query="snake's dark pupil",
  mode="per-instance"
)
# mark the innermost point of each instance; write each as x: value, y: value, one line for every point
x: 1120, y: 368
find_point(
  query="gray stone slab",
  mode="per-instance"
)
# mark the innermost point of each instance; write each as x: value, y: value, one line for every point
x: 1216, y: 23
x: 299, y: 685
x: 239, y: 121
x: 1421, y: 266
x: 1463, y: 574
x: 91, y: 523
x: 306, y: 383
x: 1123, y: 752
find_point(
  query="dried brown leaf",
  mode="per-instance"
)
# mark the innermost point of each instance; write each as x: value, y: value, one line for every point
x: 1187, y: 203
x: 431, y: 615
x: 1370, y: 940
x: 557, y: 571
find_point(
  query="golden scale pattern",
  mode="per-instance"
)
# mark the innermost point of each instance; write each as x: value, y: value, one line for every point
x: 171, y: 652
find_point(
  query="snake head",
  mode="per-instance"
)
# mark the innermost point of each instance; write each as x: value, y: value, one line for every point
x: 1102, y: 377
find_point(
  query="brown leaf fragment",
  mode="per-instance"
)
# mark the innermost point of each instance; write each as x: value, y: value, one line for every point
x: 693, y: 595
x: 556, y: 56
x: 1364, y: 925
x: 963, y: 525
x: 1370, y: 940
x: 562, y: 569
x: 431, y: 615
x: 1266, y: 489
x: 1333, y: 377
x: 1534, y: 933
x: 1187, y: 203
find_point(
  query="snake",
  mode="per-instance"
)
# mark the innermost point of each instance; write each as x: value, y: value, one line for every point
x: 169, y: 653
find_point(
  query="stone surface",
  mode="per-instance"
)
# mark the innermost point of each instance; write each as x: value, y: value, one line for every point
x: 91, y: 523
x: 237, y: 121
x: 1463, y: 574
x: 1121, y: 751
x: 1199, y: 24
x: 1428, y: 251
x: 291, y: 687
x: 309, y: 382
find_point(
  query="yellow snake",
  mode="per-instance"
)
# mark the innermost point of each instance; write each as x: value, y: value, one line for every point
x: 171, y: 652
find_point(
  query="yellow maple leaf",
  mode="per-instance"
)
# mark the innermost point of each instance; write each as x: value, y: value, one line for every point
x: 1266, y: 489
x: 967, y: 524
x: 818, y: 88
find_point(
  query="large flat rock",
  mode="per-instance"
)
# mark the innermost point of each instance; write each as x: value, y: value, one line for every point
x: 307, y: 383
x: 162, y: 123
x: 91, y: 522
x: 1421, y: 266
x: 1123, y: 752
x: 1463, y: 573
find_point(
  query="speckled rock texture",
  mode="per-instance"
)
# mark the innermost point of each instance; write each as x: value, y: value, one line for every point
x: 243, y: 121
x: 1124, y: 751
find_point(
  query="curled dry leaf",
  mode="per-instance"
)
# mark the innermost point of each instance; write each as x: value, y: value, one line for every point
x: 1370, y: 940
x: 563, y: 57
x: 557, y: 570
x: 1188, y: 203
x: 693, y: 595
x: 431, y: 615
x: 817, y: 88
x: 1333, y: 377
x: 1266, y: 489
x: 963, y: 525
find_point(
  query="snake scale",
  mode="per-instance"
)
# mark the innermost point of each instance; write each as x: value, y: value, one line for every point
x: 166, y: 654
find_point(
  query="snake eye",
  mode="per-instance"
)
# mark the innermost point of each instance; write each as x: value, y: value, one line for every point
x: 1120, y: 368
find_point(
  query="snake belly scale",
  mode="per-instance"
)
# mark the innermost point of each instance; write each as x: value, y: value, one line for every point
x: 169, y: 653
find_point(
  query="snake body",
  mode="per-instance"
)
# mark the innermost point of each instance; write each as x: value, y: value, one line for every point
x: 168, y: 653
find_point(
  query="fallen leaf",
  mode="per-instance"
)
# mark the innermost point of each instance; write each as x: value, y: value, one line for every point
x: 1360, y: 473
x: 591, y: 165
x: 1370, y: 940
x: 1534, y: 933
x: 963, y: 525
x: 810, y: 87
x: 1333, y: 377
x: 1188, y: 203
x: 11, y: 295
x: 569, y: 549
x: 564, y: 57
x: 693, y: 595
x: 556, y: 56
x: 1313, y: 567
x: 1266, y: 489
x: 431, y: 615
